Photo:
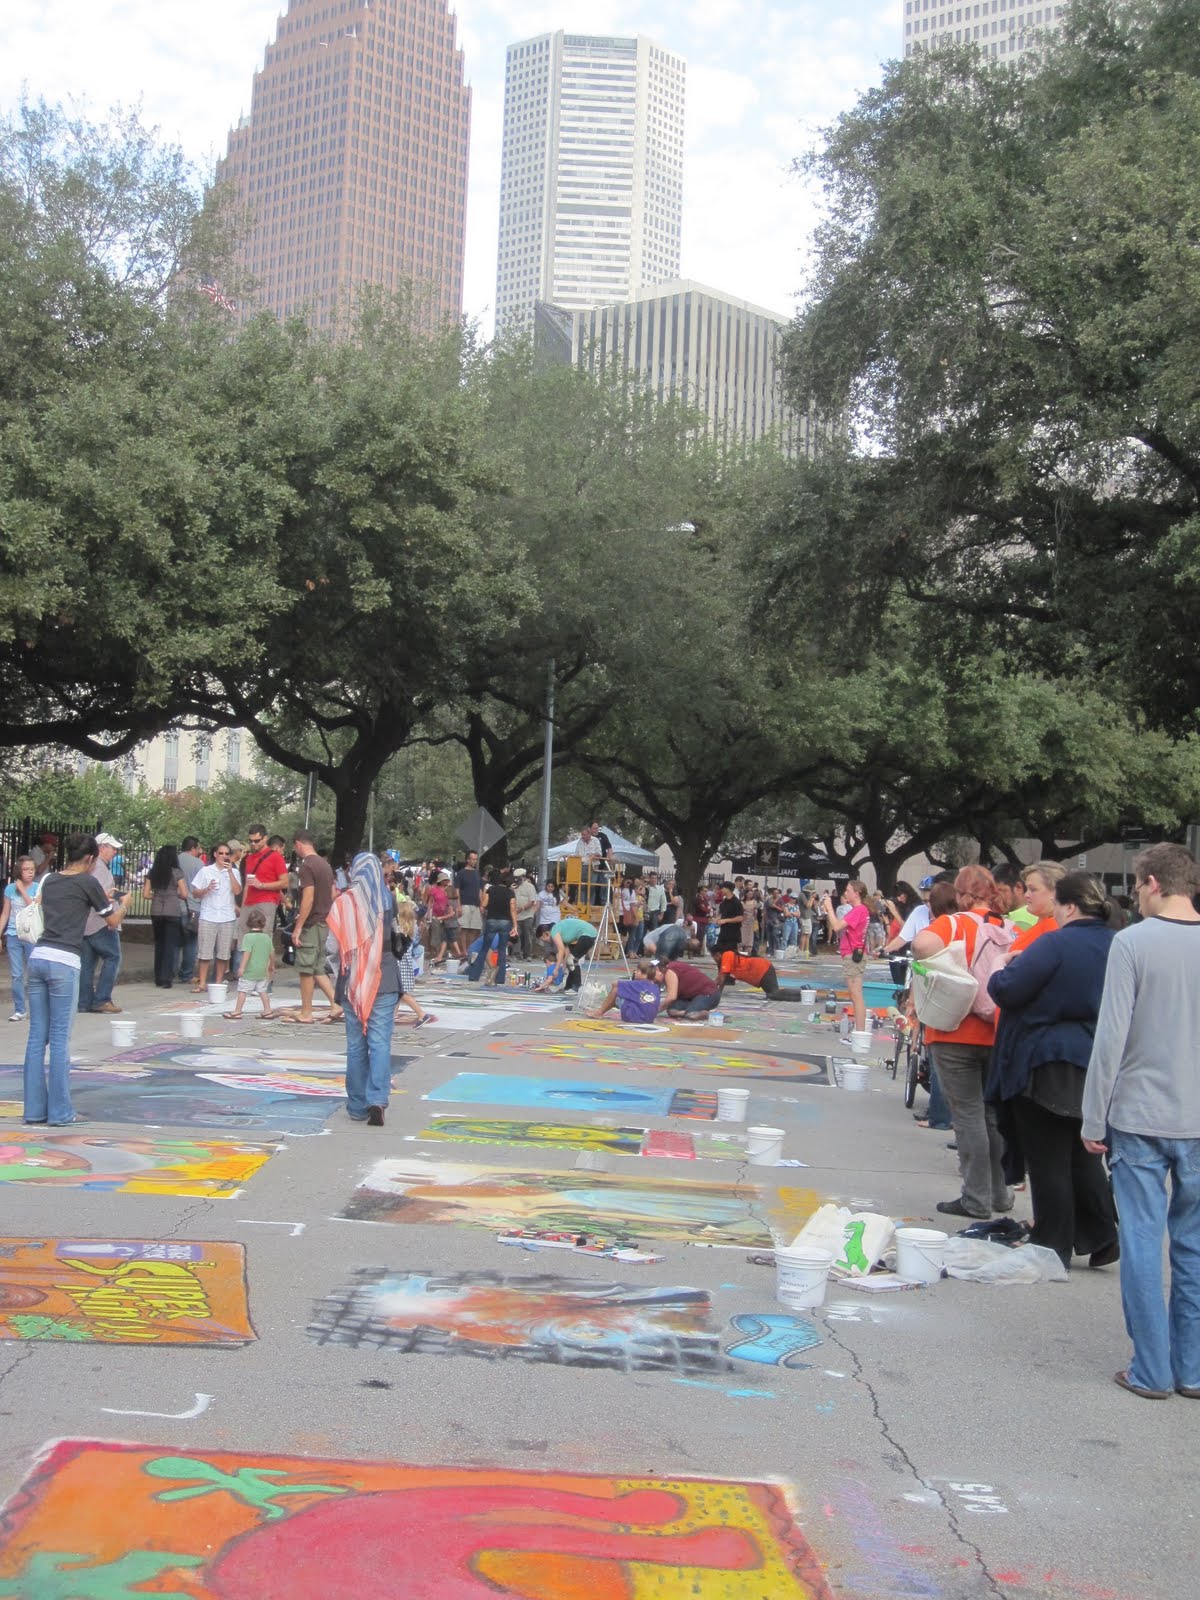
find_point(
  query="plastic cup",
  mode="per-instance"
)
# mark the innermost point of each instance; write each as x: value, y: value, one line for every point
x: 764, y: 1146
x: 731, y: 1104
x: 801, y: 1276
x: 716, y: 1019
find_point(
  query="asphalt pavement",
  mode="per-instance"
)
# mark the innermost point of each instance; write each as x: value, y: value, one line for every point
x: 415, y: 1409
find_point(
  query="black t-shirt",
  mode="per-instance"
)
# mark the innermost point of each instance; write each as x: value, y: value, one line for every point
x: 500, y: 899
x: 468, y: 883
x: 66, y: 900
x: 730, y: 936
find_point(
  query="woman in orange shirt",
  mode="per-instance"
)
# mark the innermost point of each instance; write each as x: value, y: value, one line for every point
x: 1039, y: 880
x: 961, y: 1056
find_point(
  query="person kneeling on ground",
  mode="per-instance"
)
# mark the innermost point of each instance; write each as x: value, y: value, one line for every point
x: 687, y: 992
x: 571, y: 939
x: 757, y: 973
x: 638, y: 998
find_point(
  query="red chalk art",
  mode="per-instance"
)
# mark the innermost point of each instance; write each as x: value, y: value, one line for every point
x: 110, y: 1520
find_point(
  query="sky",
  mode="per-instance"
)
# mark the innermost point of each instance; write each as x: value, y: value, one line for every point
x: 763, y: 78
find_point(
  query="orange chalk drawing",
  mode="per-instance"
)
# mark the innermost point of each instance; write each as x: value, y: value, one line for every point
x: 124, y: 1291
x: 99, y: 1519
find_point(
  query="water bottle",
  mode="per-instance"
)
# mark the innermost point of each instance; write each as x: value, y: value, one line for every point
x: 846, y: 1025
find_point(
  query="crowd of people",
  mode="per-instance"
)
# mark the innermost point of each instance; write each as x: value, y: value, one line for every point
x: 1075, y: 1069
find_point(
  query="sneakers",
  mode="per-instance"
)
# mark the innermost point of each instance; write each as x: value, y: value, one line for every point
x: 17, y: 1016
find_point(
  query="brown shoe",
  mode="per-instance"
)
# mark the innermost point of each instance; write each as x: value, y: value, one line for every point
x: 1188, y: 1393
x: 108, y: 1006
x: 1122, y: 1378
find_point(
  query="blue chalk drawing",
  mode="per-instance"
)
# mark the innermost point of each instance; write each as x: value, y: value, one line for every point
x: 484, y: 1088
x: 771, y: 1340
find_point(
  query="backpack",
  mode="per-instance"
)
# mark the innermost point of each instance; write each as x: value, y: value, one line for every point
x: 30, y: 922
x: 993, y: 941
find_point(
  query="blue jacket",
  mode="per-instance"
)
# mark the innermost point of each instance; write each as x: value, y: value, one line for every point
x: 1049, y: 999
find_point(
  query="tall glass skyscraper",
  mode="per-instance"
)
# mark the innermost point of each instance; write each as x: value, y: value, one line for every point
x: 353, y: 160
x: 591, y: 185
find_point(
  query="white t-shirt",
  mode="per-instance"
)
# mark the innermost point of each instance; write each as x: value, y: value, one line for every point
x: 917, y: 920
x: 547, y: 908
x: 588, y: 847
x: 218, y: 905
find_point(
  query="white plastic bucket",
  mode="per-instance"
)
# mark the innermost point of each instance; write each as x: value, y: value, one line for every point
x: 123, y: 1032
x: 860, y: 1042
x: 808, y: 997
x: 919, y: 1254
x: 217, y: 993
x: 855, y: 1075
x: 801, y: 1277
x: 764, y: 1146
x: 716, y: 1019
x: 191, y: 1025
x: 731, y: 1104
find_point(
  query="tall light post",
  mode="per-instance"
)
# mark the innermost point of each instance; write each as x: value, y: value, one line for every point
x: 547, y: 767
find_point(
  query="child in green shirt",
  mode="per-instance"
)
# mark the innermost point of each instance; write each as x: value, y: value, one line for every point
x: 258, y: 965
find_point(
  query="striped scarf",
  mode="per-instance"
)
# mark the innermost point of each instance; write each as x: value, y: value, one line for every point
x: 359, y: 920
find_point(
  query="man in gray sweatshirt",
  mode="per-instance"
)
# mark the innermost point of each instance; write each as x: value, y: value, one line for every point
x: 1141, y: 1103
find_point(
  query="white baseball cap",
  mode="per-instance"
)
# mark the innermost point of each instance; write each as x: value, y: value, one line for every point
x: 107, y: 838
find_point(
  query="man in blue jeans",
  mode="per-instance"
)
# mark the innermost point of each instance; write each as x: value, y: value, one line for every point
x: 101, y: 955
x: 1141, y: 1103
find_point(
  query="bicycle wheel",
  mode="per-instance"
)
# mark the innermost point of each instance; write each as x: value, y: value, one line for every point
x: 912, y: 1061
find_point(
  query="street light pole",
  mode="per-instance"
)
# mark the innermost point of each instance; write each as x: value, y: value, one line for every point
x: 547, y: 765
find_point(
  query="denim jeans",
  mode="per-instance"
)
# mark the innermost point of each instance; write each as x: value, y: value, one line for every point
x: 937, y: 1112
x: 53, y: 988
x: 492, y: 927
x: 369, y: 1056
x: 696, y: 1005
x: 17, y: 951
x: 1166, y: 1339
x: 187, y: 953
x: 101, y: 961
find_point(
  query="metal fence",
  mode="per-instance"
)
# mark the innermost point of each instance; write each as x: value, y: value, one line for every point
x: 45, y: 841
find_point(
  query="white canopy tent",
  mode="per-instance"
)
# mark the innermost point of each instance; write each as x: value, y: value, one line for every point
x: 627, y: 853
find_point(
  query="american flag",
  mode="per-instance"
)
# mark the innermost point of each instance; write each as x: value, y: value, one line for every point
x: 213, y: 292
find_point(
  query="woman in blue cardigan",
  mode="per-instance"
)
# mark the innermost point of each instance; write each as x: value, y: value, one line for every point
x: 1050, y: 999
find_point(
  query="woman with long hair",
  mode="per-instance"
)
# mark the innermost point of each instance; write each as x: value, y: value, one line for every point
x: 1050, y: 996
x: 52, y: 977
x: 360, y: 920
x: 961, y: 1055
x: 403, y: 938
x: 168, y: 891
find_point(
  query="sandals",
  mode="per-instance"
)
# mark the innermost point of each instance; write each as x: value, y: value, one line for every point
x: 334, y: 1016
x: 1122, y: 1378
x: 232, y: 1016
x: 421, y: 1021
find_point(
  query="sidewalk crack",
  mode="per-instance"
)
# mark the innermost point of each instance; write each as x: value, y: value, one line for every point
x: 952, y: 1517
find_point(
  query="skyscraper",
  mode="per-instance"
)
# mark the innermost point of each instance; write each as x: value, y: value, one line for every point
x: 1004, y: 31
x: 591, y: 184
x: 353, y: 160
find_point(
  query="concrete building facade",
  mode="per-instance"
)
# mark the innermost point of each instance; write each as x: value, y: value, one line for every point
x: 352, y: 163
x: 591, y: 185
x: 686, y: 342
x: 1004, y: 30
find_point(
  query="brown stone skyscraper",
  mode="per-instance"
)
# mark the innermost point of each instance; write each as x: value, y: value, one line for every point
x: 353, y: 160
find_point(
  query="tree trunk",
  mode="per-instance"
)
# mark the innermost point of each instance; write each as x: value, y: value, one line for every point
x: 352, y: 783
x: 692, y: 851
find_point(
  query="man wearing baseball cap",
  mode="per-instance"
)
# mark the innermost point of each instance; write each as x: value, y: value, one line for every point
x: 100, y: 958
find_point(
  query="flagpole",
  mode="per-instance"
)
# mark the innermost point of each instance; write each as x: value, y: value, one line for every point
x: 547, y: 767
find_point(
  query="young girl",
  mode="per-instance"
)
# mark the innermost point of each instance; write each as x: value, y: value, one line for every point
x: 404, y: 930
x: 21, y: 892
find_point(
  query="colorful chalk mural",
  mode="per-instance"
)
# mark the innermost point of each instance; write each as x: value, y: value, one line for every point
x: 108, y: 1520
x: 194, y: 1168
x: 661, y: 1024
x: 576, y: 1202
x: 567, y: 1322
x: 124, y: 1291
x: 189, y: 1099
x: 771, y: 1339
x: 585, y: 1136
x: 658, y: 1054
x: 557, y: 1094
